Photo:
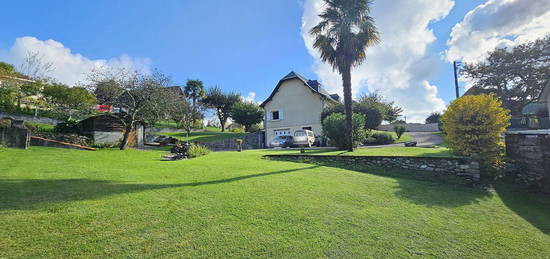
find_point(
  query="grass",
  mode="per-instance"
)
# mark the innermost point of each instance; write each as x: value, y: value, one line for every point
x: 404, y: 138
x: 211, y: 134
x: 166, y: 124
x: 382, y: 151
x: 71, y: 203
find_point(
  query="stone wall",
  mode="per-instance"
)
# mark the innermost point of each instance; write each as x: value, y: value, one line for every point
x: 39, y: 141
x: 31, y: 118
x: 15, y: 137
x: 465, y: 168
x: 530, y: 151
x: 412, y: 127
x: 250, y: 141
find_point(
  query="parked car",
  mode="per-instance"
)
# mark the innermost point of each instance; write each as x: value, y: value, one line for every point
x: 282, y: 141
x: 304, y: 138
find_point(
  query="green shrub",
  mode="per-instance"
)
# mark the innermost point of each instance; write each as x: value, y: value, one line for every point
x: 197, y: 150
x: 334, y: 128
x: 39, y: 127
x: 380, y: 138
x: 237, y: 130
x: 399, y: 130
x: 68, y: 126
x: 474, y: 125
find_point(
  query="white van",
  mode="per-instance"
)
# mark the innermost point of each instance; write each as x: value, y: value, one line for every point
x: 304, y: 138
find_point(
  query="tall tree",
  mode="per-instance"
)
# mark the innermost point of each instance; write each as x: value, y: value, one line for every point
x: 346, y: 29
x: 221, y: 102
x: 516, y: 75
x: 131, y: 92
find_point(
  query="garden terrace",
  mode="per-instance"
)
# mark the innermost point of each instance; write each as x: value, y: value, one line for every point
x: 111, y: 203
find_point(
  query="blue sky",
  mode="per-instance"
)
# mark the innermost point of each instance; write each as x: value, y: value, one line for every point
x: 244, y: 45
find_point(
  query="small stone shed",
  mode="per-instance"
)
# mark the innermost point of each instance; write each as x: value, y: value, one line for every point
x: 107, y: 129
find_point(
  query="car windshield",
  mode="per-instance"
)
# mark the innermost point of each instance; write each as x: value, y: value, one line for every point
x: 299, y: 134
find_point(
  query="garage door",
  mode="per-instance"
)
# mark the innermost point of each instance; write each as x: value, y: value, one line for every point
x: 282, y: 132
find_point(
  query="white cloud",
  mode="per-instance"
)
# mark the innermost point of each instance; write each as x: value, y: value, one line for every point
x: 68, y: 67
x: 399, y: 67
x: 251, y: 97
x: 498, y: 23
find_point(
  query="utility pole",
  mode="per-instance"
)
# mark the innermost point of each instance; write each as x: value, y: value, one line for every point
x: 456, y: 80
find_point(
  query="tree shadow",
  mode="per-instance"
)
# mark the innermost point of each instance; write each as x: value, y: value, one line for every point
x: 21, y: 194
x: 533, y: 207
x: 421, y: 187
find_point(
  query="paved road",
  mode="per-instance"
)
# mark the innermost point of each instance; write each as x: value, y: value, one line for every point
x: 426, y: 138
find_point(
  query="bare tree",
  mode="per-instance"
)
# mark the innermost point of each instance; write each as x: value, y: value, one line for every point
x: 35, y: 67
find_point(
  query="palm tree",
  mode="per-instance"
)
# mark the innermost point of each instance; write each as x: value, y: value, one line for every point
x: 342, y: 35
x: 194, y: 89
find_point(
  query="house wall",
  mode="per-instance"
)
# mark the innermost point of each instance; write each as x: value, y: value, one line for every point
x: 299, y: 107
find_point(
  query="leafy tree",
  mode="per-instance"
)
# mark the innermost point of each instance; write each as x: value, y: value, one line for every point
x: 433, y: 118
x: 181, y: 111
x: 221, y: 102
x: 247, y: 114
x: 399, y: 130
x: 389, y: 110
x: 516, y: 75
x: 474, y: 125
x: 346, y: 29
x: 7, y: 69
x: 334, y: 125
x: 131, y: 92
x: 373, y: 115
x: 71, y: 101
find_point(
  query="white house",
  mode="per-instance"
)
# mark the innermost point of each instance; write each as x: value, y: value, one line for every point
x: 296, y: 103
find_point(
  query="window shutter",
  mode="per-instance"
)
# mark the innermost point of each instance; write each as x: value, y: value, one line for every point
x: 268, y: 116
x: 281, y: 115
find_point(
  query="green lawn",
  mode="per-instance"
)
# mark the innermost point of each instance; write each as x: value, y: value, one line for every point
x: 382, y: 151
x: 211, y: 134
x: 63, y: 203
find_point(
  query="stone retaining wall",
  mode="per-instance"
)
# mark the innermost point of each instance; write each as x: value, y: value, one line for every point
x: 250, y: 141
x: 465, y: 168
x: 530, y: 150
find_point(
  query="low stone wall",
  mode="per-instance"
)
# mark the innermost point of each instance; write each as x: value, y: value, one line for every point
x: 31, y: 118
x: 15, y: 137
x: 412, y: 127
x: 250, y: 141
x: 38, y: 141
x: 530, y: 150
x: 465, y: 168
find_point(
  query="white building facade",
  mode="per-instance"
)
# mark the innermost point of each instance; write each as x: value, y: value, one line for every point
x: 295, y: 104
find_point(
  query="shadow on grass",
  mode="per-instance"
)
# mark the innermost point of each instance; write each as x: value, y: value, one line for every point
x: 29, y: 194
x: 421, y: 187
x: 533, y: 207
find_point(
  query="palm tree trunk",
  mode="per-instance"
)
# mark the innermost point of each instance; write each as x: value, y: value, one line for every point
x: 346, y: 79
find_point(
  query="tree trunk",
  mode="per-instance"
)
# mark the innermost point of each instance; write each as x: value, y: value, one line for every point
x: 128, y: 129
x: 222, y: 121
x: 346, y: 79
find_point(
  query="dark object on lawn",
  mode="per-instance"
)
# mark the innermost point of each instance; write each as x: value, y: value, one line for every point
x: 410, y: 144
x: 302, y: 150
x: 178, y: 152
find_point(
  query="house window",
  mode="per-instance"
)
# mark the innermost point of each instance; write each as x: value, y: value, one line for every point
x: 306, y: 128
x: 275, y: 115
